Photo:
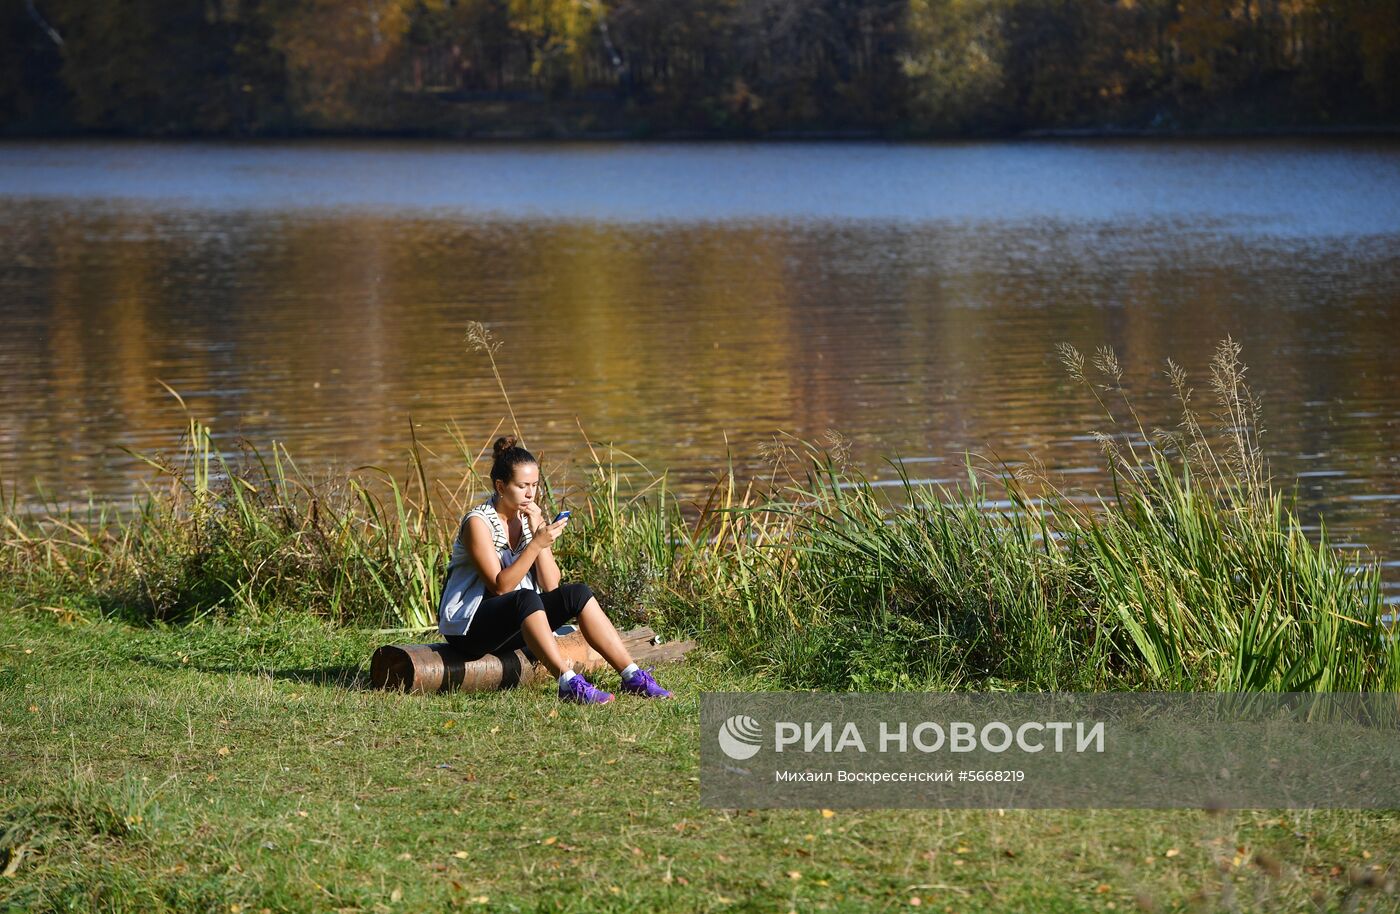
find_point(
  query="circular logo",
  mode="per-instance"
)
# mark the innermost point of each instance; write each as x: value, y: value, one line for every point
x: 739, y: 737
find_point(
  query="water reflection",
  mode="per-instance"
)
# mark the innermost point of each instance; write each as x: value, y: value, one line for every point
x: 689, y: 338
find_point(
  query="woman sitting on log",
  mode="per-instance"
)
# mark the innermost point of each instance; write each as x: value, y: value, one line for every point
x: 503, y: 589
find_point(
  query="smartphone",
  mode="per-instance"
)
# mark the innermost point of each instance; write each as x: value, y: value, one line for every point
x: 560, y: 516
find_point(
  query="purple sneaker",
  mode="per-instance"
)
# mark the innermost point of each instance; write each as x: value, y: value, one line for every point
x: 581, y: 691
x: 643, y: 685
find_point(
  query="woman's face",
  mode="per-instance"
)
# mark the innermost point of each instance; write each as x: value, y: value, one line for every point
x: 521, y: 489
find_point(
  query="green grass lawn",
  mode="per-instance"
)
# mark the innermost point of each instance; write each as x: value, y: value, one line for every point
x: 227, y: 768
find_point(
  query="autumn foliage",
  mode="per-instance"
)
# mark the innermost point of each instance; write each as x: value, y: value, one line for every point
x: 552, y: 67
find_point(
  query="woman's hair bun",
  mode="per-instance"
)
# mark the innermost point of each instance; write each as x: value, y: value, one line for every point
x: 506, y: 455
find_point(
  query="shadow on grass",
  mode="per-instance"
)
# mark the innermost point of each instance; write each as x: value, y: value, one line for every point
x: 354, y: 679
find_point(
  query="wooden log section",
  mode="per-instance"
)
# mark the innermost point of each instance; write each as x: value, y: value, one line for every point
x: 443, y: 668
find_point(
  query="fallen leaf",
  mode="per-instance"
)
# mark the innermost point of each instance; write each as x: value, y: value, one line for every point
x: 396, y: 896
x: 33, y: 709
x: 961, y: 849
x: 794, y: 874
x: 550, y: 840
x: 493, y: 730
x: 916, y: 901
x: 405, y: 856
x: 448, y: 724
x: 828, y: 813
x: 1104, y: 888
x: 224, y: 750
x: 461, y: 855
x: 303, y: 813
x: 1171, y: 852
x: 16, y: 855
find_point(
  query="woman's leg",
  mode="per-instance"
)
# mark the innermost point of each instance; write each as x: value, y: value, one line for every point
x: 503, y: 622
x: 539, y: 637
x: 510, y: 621
x: 599, y: 632
x: 576, y: 600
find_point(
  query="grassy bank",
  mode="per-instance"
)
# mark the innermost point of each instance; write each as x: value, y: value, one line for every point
x: 234, y: 768
x: 1192, y: 573
x: 182, y: 685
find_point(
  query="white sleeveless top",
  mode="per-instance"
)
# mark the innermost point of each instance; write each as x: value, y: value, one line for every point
x: 465, y: 589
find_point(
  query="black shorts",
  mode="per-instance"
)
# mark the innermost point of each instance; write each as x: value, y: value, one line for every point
x: 495, y: 627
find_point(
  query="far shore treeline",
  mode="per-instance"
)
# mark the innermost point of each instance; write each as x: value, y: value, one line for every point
x: 523, y: 68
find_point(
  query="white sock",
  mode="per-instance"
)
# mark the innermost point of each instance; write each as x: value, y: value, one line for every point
x: 631, y: 668
x: 565, y: 676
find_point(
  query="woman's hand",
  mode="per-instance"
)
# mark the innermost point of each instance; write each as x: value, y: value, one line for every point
x: 545, y: 533
x: 533, y: 517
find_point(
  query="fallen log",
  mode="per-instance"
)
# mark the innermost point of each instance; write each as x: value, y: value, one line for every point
x: 443, y: 668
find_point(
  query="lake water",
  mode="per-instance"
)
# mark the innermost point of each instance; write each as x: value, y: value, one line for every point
x: 689, y: 301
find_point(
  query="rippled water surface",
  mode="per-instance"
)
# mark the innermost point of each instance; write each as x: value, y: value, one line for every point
x: 688, y: 301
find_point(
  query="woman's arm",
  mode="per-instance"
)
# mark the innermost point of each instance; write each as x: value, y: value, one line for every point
x: 482, y: 547
x: 546, y: 569
x: 500, y: 580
